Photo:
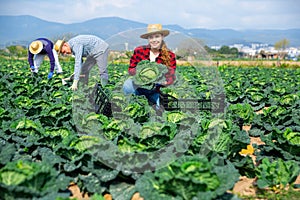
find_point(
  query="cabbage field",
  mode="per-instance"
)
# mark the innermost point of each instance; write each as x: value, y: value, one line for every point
x: 53, y: 139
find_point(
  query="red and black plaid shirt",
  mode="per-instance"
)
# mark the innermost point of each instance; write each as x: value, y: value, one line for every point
x: 143, y: 53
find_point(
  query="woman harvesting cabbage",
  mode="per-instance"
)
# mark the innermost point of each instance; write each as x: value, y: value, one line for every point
x: 157, y: 60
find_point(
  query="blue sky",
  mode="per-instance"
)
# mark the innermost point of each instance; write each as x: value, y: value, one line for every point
x: 210, y: 14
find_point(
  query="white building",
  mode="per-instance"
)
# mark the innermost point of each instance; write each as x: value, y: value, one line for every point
x: 256, y: 48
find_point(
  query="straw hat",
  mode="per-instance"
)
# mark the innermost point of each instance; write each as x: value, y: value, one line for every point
x: 58, y: 45
x: 36, y: 47
x: 153, y: 29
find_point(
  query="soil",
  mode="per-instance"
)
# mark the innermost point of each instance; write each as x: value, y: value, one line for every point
x: 76, y: 193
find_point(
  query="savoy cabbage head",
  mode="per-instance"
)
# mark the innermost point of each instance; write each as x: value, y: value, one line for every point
x: 149, y: 72
x: 190, y: 177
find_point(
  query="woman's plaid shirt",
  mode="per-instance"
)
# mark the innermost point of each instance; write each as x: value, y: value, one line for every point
x: 143, y: 53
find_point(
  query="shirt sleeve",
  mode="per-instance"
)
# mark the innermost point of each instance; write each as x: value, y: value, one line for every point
x: 170, y: 75
x: 78, y: 51
x: 30, y: 58
x: 49, y: 51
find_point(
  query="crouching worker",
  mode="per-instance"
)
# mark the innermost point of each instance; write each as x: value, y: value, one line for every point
x: 155, y: 51
x: 93, y: 48
x: 37, y: 50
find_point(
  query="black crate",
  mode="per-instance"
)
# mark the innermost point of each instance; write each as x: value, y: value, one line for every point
x: 169, y: 102
x: 104, y: 105
x: 102, y: 101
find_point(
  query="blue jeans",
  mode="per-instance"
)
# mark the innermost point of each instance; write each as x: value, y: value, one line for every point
x: 130, y: 88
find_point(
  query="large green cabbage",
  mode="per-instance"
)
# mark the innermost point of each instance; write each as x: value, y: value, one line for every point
x: 190, y: 177
x: 149, y: 72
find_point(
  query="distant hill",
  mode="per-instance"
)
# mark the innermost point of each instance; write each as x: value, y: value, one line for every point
x: 22, y: 29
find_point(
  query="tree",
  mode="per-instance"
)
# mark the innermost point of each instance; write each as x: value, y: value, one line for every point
x: 229, y: 52
x: 234, y: 51
x: 19, y: 51
x: 224, y: 50
x: 281, y: 45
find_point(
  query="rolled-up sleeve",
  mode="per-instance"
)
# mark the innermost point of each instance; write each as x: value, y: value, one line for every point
x: 77, y: 51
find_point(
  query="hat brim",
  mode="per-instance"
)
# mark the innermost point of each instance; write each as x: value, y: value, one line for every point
x: 58, y: 47
x: 37, y: 50
x: 163, y: 32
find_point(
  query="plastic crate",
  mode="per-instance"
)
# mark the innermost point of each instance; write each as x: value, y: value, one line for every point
x: 104, y: 105
x: 102, y: 101
x: 169, y: 102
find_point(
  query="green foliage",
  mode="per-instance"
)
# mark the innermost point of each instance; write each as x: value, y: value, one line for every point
x: 260, y: 87
x: 292, y: 136
x: 23, y: 179
x: 188, y: 178
x: 228, y: 50
x: 138, y: 109
x: 14, y: 51
x: 278, y: 127
x: 224, y: 52
x: 282, y: 44
x: 242, y: 112
x: 276, y: 174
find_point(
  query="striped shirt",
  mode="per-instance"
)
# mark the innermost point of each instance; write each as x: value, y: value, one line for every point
x: 85, y: 46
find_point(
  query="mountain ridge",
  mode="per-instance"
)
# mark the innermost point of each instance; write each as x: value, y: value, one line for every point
x: 22, y: 29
